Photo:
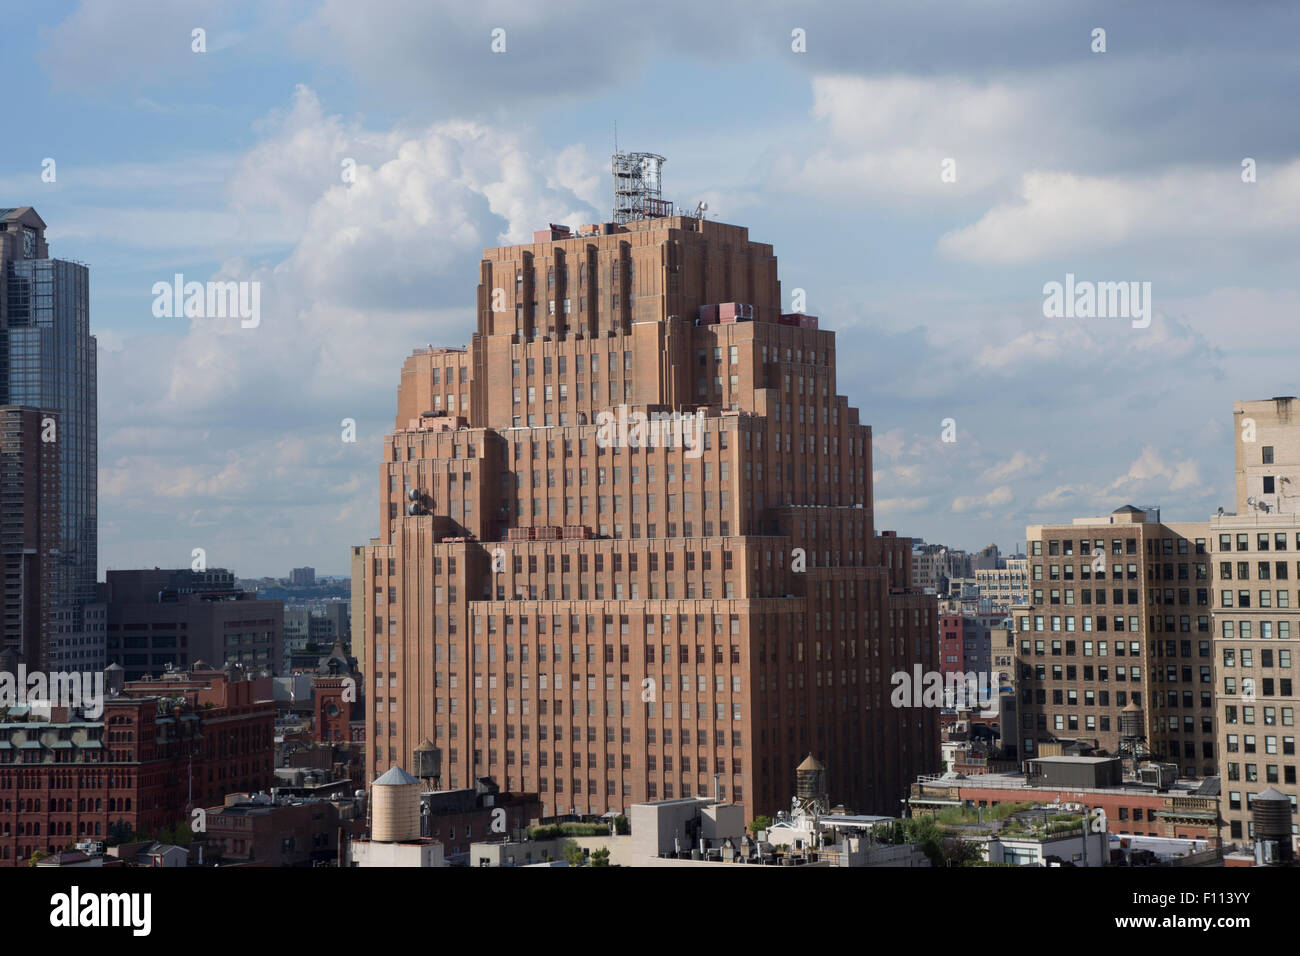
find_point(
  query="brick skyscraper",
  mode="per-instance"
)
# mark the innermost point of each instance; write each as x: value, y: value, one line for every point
x: 655, y: 638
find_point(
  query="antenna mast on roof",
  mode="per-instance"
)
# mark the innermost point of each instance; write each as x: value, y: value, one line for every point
x: 638, y: 187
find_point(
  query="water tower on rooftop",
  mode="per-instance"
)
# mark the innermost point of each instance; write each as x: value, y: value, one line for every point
x: 810, y: 792
x: 395, y: 807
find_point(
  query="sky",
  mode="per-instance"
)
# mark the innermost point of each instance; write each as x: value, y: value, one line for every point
x: 923, y: 171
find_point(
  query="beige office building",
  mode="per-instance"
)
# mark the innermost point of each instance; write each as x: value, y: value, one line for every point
x: 1256, y: 567
x: 1119, y: 615
x: 1004, y: 587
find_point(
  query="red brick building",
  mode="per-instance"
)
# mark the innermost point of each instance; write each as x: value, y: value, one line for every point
x: 952, y: 634
x: 272, y: 834
x: 159, y: 749
x: 457, y: 818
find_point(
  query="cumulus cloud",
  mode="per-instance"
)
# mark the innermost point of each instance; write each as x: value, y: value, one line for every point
x: 1062, y: 213
x: 1147, y: 466
x: 1151, y: 478
x: 136, y: 43
x: 888, y: 444
x: 890, y: 136
x: 377, y: 267
x: 1018, y: 465
x: 886, y: 508
x: 1060, y: 498
x: 1152, y: 470
x: 998, y: 496
x: 233, y: 432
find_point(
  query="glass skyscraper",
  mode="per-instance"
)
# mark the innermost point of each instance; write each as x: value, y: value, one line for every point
x: 48, y: 361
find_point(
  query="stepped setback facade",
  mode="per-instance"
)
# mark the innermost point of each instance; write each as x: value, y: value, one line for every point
x: 686, y: 603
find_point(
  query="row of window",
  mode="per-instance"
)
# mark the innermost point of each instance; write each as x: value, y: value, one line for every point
x: 561, y: 363
x: 1271, y: 773
x: 1266, y: 598
x: 1247, y: 743
x: 1265, y: 570
x: 753, y: 440
x: 451, y: 402
x: 1102, y: 674
x: 1247, y: 656
x: 1247, y: 715
x: 1119, y: 623
x: 1089, y: 596
x: 1264, y: 686
x: 1264, y: 541
x: 448, y: 374
x: 1117, y: 546
x: 1071, y: 698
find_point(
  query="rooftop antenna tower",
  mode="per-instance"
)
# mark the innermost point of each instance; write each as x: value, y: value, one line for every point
x: 638, y: 187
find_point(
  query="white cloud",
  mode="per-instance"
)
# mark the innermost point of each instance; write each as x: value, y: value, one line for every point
x: 1062, y: 213
x: 1186, y: 475
x: 1147, y: 466
x: 1033, y: 346
x: 133, y: 42
x: 888, y: 444
x: 885, y: 137
x: 998, y: 496
x: 376, y: 269
x: 577, y: 171
x: 1060, y: 497
x: 1019, y: 464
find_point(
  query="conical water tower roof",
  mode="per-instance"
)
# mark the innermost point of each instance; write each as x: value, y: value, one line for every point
x: 810, y: 763
x: 396, y: 777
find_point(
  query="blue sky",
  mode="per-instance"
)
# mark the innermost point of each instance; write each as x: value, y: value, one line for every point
x: 1115, y: 166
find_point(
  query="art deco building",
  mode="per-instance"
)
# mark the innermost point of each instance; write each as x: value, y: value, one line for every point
x: 1119, y: 615
x: 1256, y: 566
x: 574, y: 614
